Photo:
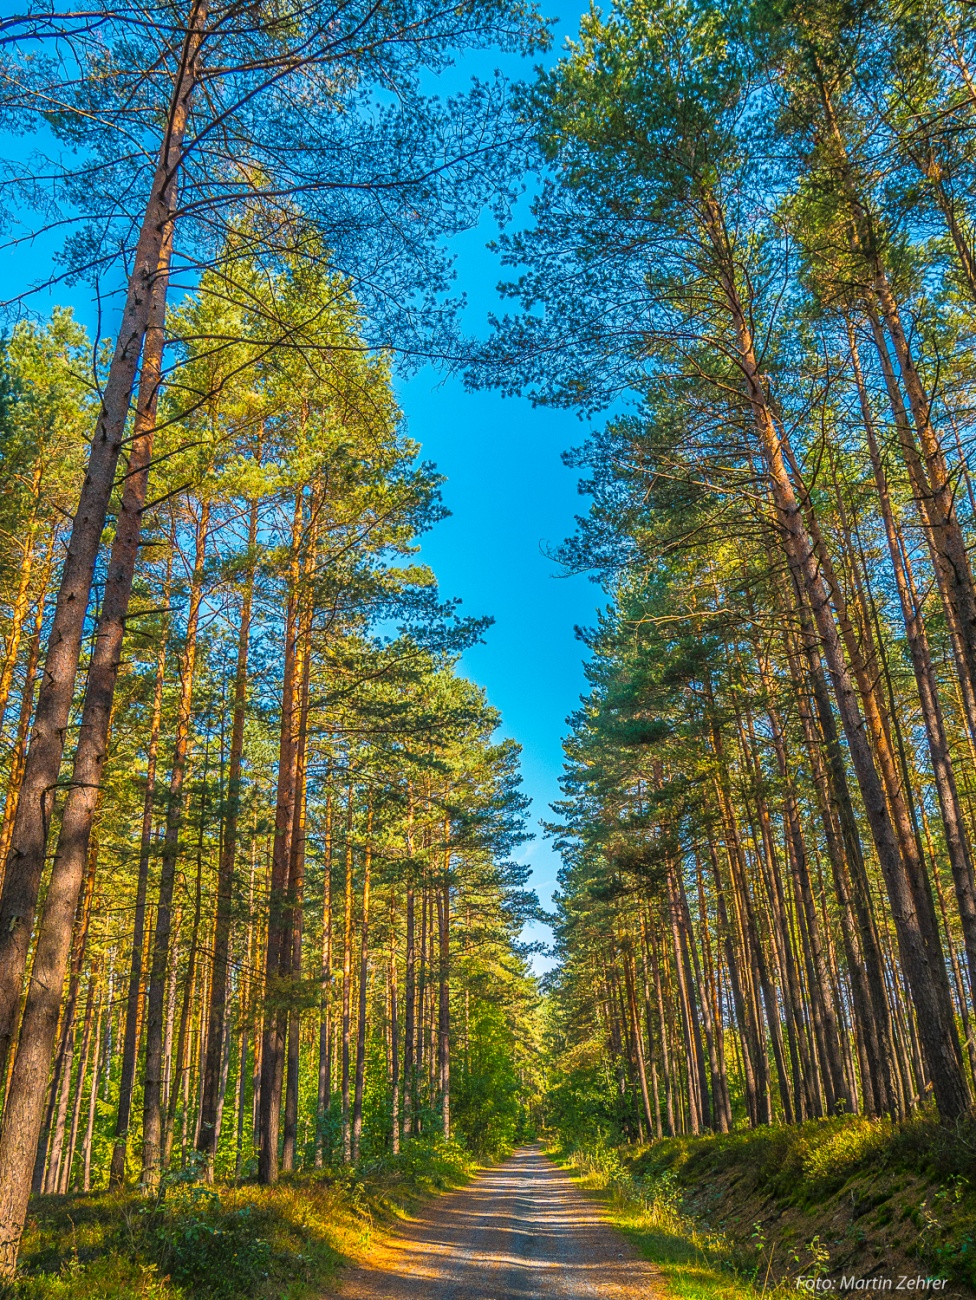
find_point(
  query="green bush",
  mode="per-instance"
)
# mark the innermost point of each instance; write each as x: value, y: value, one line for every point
x: 226, y: 1243
x: 210, y: 1250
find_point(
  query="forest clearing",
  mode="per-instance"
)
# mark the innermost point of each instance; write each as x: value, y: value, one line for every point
x: 289, y: 1006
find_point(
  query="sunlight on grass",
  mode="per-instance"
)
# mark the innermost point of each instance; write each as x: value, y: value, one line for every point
x: 225, y: 1243
x: 696, y: 1264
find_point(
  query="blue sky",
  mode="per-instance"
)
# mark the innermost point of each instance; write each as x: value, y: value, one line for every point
x: 509, y: 495
x: 511, y: 499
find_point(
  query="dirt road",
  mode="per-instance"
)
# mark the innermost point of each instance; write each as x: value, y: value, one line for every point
x: 522, y: 1231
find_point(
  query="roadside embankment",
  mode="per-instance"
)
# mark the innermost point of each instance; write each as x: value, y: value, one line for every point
x: 832, y: 1206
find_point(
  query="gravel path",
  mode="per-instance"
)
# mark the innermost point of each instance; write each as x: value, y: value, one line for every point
x: 522, y: 1231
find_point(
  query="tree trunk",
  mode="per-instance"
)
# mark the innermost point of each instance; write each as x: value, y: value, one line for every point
x: 888, y: 1089
x: 64, y: 1182
x: 23, y: 597
x: 296, y: 877
x: 357, y: 1105
x: 152, y: 1103
x: 409, y: 1014
x: 347, y: 981
x: 324, y: 1097
x: 638, y: 1038
x: 278, y: 950
x: 924, y: 966
x: 217, y: 1012
x: 444, y: 991
x: 409, y: 977
x: 25, y: 861
x: 86, y: 1147
x: 929, y: 473
x: 957, y: 841
x: 394, y: 1034
x: 133, y: 1003
x: 19, y: 751
x: 671, y: 1128
x: 181, y: 1069
x: 71, y: 855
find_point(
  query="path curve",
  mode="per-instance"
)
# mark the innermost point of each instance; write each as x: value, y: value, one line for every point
x: 520, y: 1231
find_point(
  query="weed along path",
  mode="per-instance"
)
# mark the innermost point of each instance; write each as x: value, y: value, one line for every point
x: 521, y: 1231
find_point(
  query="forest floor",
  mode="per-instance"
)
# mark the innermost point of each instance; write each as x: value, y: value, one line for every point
x: 227, y: 1242
x: 828, y: 1207
x: 520, y: 1231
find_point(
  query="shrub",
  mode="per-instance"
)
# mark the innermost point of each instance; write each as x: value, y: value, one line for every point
x: 209, y: 1249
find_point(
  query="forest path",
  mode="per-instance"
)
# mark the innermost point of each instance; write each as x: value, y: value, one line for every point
x: 521, y: 1231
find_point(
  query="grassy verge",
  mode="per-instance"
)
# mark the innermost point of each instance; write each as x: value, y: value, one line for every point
x: 752, y: 1212
x: 696, y: 1263
x: 224, y: 1243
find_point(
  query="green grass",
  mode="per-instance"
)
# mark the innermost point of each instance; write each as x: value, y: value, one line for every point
x: 746, y: 1213
x: 224, y: 1243
x: 696, y: 1264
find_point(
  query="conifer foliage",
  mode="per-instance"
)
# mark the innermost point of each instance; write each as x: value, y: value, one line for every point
x: 292, y: 911
x: 756, y: 240
x: 233, y: 734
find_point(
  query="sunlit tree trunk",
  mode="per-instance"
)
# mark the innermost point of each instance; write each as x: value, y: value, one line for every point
x: 409, y: 1013
x: 84, y: 1062
x: 217, y: 1012
x: 394, y: 1032
x: 25, y: 860
x: 134, y: 997
x: 296, y: 872
x: 25, y: 712
x: 180, y: 1078
x: 444, y: 988
x: 921, y: 953
x: 347, y: 981
x: 152, y: 1105
x: 278, y: 952
x: 324, y: 1095
x: 361, y: 1026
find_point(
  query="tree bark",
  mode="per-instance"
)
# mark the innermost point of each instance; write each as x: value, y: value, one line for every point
x: 923, y: 965
x: 296, y: 876
x: 394, y: 1033
x: 84, y: 1054
x: 24, y: 1109
x: 278, y: 952
x: 357, y: 1105
x: 152, y: 1104
x: 19, y: 751
x: 180, y: 1077
x: 324, y: 1097
x: 134, y: 995
x: 347, y: 982
x: 217, y: 1012
x: 957, y: 840
x: 25, y: 861
x: 23, y: 597
x: 86, y: 1148
x: 444, y: 991
x: 409, y: 1015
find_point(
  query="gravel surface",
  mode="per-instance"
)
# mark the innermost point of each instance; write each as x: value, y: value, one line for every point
x: 522, y: 1231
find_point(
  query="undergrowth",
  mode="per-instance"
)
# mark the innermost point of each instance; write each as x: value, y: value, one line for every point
x: 224, y: 1243
x: 752, y: 1211
x: 696, y: 1263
